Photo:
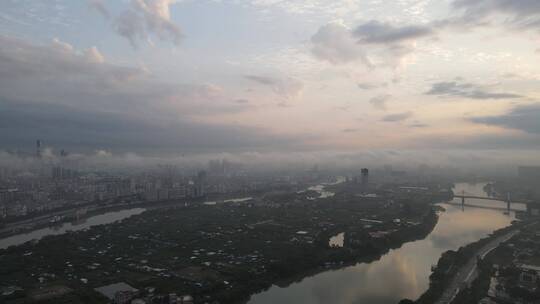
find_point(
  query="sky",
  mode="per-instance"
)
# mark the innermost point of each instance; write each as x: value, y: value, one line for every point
x: 269, y: 76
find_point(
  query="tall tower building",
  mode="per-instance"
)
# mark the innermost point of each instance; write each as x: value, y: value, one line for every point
x: 38, y: 148
x: 365, y: 178
x: 201, y: 184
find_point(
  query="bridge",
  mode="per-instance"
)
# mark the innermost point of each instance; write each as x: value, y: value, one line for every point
x: 463, y: 197
x: 507, y: 200
x: 490, y: 207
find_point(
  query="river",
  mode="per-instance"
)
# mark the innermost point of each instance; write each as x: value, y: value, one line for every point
x: 401, y: 273
x: 102, y: 219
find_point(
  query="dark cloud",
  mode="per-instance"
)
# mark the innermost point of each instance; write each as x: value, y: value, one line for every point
x: 482, y: 8
x: 379, y: 102
x: 397, y: 117
x: 514, y: 14
x: 467, y: 90
x: 69, y: 127
x: 384, y: 33
x: 525, y: 118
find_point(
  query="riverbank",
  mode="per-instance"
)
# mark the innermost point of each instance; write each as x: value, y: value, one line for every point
x: 455, y: 269
x: 90, y: 210
x: 405, y: 271
x: 368, y: 252
x: 508, y: 273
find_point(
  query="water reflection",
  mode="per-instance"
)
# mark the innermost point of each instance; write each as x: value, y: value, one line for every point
x: 337, y: 240
x: 402, y: 273
x: 320, y: 189
x: 102, y: 219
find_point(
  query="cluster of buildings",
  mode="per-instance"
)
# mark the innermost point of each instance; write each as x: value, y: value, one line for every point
x: 21, y: 195
x: 47, y: 183
x: 122, y: 293
x: 517, y: 270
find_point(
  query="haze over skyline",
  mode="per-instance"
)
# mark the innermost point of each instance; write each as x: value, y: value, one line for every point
x: 271, y: 76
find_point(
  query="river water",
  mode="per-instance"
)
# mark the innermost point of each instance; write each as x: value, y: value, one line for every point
x: 403, y: 272
x: 102, y: 219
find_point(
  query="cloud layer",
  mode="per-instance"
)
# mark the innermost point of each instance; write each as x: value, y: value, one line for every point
x: 78, y: 99
x: 467, y: 90
x: 525, y: 118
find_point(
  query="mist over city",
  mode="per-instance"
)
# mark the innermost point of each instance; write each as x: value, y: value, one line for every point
x: 270, y: 151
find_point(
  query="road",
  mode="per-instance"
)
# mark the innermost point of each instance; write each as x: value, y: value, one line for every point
x: 468, y: 272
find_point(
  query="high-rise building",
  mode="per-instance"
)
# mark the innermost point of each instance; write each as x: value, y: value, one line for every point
x: 200, y: 185
x: 365, y: 178
x: 38, y: 148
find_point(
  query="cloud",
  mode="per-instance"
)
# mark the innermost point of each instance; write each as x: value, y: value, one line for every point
x: 79, y: 99
x: 516, y: 15
x: 525, y: 118
x: 379, y: 102
x: 334, y: 43
x: 418, y: 125
x: 397, y: 117
x: 512, y: 146
x: 94, y: 55
x: 370, y: 86
x: 61, y: 45
x: 142, y: 20
x: 130, y: 25
x: 99, y: 6
x: 467, y: 90
x: 158, y: 18
x: 482, y: 8
x: 288, y: 88
x: 69, y: 127
x: 375, y: 32
x: 264, y: 80
x: 373, y: 43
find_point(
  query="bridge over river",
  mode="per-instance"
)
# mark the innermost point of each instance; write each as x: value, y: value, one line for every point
x: 464, y: 196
